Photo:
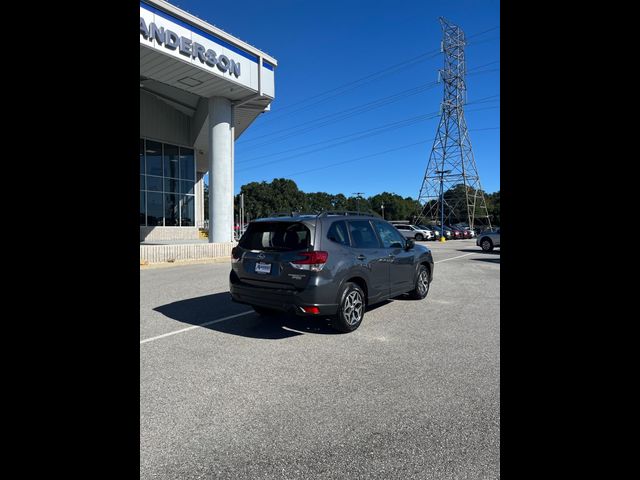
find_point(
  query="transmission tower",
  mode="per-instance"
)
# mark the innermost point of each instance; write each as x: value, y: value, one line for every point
x: 459, y: 191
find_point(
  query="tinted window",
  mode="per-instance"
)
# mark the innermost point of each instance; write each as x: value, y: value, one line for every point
x: 171, y: 212
x: 402, y: 227
x: 187, y: 164
x: 143, y: 208
x: 187, y: 187
x: 154, y: 183
x: 154, y: 158
x: 188, y: 217
x: 154, y: 209
x: 171, y: 185
x: 390, y: 237
x: 171, y: 161
x: 275, y: 236
x: 338, y: 233
x: 142, y: 168
x: 362, y: 234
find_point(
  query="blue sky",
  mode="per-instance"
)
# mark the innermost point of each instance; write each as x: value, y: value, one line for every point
x: 321, y: 46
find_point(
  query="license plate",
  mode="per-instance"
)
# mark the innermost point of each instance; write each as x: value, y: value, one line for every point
x: 263, y: 267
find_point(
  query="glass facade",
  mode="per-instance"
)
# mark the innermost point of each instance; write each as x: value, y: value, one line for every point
x: 167, y: 185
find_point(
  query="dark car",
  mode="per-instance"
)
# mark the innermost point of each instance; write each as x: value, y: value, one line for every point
x: 331, y: 264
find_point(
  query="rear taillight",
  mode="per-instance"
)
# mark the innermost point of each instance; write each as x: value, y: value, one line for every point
x: 235, y: 255
x: 313, y: 261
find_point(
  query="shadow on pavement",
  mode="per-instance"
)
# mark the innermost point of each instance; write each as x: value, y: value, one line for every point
x: 479, y: 250
x: 490, y: 260
x: 199, y: 310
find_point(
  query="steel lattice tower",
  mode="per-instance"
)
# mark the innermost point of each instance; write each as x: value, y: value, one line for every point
x: 451, y: 151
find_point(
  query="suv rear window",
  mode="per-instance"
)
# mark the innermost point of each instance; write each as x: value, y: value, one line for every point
x: 281, y: 236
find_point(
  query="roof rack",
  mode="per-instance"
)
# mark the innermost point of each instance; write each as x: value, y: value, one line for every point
x: 323, y: 213
x: 326, y: 213
x: 292, y: 214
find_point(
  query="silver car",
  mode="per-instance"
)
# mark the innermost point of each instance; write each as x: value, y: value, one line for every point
x: 488, y: 240
x: 411, y: 231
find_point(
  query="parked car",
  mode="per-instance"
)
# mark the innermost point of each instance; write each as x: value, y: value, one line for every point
x: 488, y: 240
x: 465, y: 228
x: 455, y: 233
x: 329, y: 264
x: 434, y: 232
x: 412, y: 231
x: 437, y: 230
x: 465, y: 232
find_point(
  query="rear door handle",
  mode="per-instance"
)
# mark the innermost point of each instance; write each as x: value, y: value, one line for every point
x: 361, y: 257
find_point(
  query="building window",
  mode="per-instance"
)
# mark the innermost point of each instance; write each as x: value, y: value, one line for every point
x: 187, y: 164
x: 167, y: 184
x: 154, y: 209
x: 171, y: 161
x: 171, y: 210
x: 142, y: 167
x: 143, y: 209
x: 188, y: 211
x: 154, y: 158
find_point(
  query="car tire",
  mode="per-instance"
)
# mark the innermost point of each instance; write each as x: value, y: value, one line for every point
x: 263, y: 311
x: 421, y: 288
x: 486, y: 244
x: 350, y: 309
x: 419, y: 237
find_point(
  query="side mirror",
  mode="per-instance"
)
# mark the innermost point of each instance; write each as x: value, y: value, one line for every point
x: 410, y: 244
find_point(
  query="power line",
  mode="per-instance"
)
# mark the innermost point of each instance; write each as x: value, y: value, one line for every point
x: 350, y: 112
x: 357, y: 135
x: 431, y: 115
x: 347, y: 113
x: 372, y: 132
x: 380, y: 73
x: 402, y: 147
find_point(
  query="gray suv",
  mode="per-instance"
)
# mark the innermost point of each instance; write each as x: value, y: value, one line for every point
x: 333, y: 264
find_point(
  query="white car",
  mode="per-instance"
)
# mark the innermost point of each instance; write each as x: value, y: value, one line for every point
x: 488, y: 240
x: 411, y: 231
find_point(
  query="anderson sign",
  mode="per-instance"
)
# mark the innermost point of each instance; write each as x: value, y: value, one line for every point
x: 188, y: 48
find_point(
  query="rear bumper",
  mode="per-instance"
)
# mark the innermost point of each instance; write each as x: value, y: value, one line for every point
x: 290, y: 301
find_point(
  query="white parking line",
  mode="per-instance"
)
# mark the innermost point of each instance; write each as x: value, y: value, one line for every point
x: 195, y: 326
x: 248, y: 312
x: 459, y: 256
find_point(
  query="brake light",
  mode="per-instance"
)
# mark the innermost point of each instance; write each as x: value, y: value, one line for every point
x: 313, y: 261
x: 313, y: 310
x: 235, y: 255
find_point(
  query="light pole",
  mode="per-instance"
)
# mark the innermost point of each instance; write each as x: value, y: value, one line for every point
x: 441, y: 173
x: 357, y: 194
x: 382, y: 207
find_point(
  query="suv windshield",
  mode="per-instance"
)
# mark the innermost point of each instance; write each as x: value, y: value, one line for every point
x: 281, y: 236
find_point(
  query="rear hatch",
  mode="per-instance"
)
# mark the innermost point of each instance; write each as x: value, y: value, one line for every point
x: 266, y: 251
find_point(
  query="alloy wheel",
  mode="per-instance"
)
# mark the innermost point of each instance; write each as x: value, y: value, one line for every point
x: 353, y: 307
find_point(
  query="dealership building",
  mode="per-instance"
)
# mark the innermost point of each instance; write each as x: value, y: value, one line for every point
x: 200, y: 89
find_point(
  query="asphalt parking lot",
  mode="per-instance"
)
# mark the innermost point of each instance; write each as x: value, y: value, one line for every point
x: 413, y: 393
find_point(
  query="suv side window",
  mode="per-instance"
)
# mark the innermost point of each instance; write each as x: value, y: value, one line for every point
x: 402, y: 227
x: 362, y: 234
x: 390, y: 237
x: 338, y: 233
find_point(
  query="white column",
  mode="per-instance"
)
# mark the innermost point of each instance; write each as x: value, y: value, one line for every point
x: 220, y: 186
